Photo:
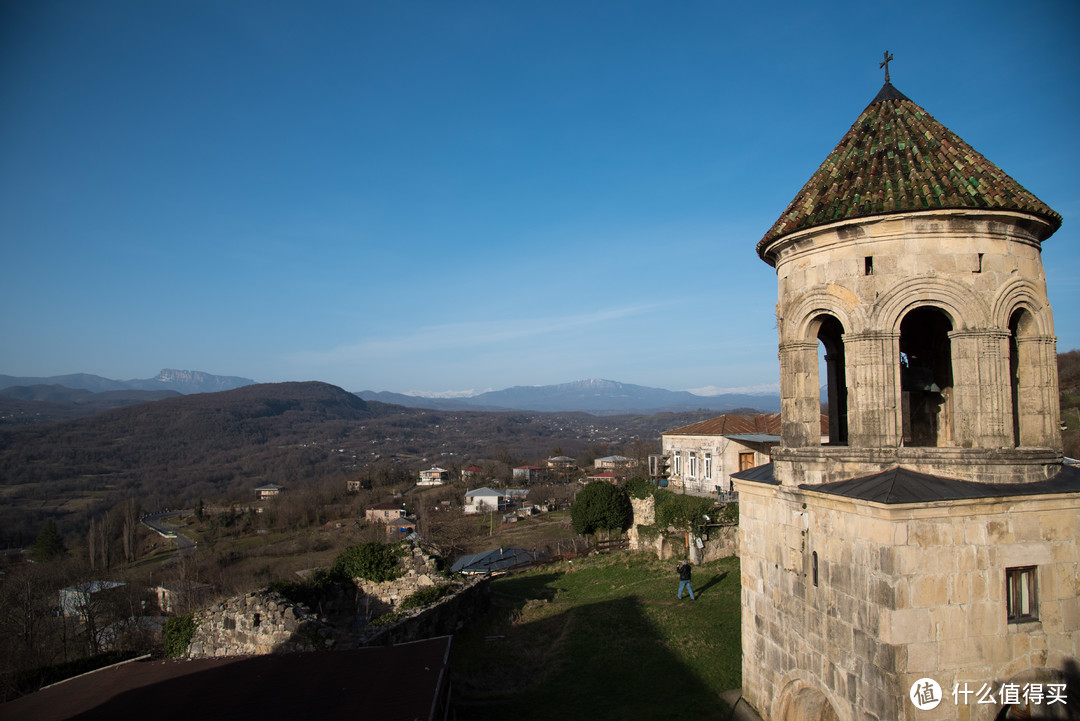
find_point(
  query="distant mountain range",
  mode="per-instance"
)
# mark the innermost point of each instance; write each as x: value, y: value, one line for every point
x: 169, y: 379
x: 600, y: 397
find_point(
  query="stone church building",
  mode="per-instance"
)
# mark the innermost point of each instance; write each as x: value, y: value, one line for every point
x: 936, y: 534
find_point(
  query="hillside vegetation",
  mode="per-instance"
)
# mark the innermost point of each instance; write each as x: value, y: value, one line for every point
x: 220, y: 446
x: 1069, y: 385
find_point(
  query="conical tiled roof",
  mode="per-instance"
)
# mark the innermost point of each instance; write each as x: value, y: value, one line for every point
x: 897, y: 158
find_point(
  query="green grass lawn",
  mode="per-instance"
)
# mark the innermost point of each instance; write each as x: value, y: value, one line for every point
x: 602, y: 638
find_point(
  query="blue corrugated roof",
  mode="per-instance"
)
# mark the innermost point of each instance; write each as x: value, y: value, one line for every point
x: 499, y: 559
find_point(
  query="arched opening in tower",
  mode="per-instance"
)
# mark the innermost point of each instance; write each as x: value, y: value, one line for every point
x: 926, y: 378
x: 831, y: 342
x: 1022, y: 374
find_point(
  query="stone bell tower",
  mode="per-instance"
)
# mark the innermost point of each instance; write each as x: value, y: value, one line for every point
x: 936, y: 534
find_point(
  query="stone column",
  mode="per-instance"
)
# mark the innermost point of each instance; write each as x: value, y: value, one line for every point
x: 981, y: 388
x: 1039, y: 410
x: 800, y: 395
x: 873, y: 373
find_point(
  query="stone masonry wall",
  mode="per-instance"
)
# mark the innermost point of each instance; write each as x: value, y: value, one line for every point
x: 902, y: 593
x: 722, y: 543
x: 258, y: 623
x: 446, y: 616
x: 383, y: 596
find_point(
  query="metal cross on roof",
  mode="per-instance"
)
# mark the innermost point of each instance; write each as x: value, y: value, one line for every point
x: 885, y: 64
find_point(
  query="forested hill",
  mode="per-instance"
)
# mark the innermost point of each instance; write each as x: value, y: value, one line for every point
x: 222, y: 445
x: 174, y: 434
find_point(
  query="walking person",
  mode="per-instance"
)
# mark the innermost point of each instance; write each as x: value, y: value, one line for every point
x: 684, y: 580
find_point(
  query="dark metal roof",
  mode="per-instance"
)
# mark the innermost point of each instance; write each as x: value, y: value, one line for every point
x: 754, y: 437
x: 897, y: 158
x: 901, y: 485
x: 403, y: 682
x: 759, y: 474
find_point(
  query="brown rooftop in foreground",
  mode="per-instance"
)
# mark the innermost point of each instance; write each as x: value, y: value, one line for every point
x: 395, y: 683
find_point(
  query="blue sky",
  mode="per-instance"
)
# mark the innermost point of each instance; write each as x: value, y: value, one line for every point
x: 445, y: 196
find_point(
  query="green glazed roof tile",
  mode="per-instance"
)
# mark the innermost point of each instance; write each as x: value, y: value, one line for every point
x: 897, y: 158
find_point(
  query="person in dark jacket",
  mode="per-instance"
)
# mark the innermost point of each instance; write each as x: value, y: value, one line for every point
x: 684, y: 580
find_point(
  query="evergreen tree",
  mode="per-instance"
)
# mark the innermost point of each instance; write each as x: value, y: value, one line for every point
x: 48, y: 544
x: 601, y: 506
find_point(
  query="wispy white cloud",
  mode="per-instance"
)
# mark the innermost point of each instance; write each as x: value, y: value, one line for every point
x: 472, y: 335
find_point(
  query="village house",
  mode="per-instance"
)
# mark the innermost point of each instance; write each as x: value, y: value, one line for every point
x: 700, y: 457
x: 270, y: 490
x: 355, y: 485
x: 932, y: 546
x: 471, y: 473
x: 604, y: 476
x: 82, y: 600
x: 612, y: 462
x: 434, y: 476
x: 388, y: 512
x: 528, y: 474
x: 483, y: 500
x: 181, y: 595
x: 560, y: 463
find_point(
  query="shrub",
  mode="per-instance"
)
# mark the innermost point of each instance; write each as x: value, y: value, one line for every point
x: 371, y: 561
x: 425, y: 596
x: 316, y: 587
x: 601, y: 506
x: 387, y: 618
x: 730, y: 514
x: 177, y: 635
x: 686, y: 513
x: 640, y: 488
x: 648, y: 534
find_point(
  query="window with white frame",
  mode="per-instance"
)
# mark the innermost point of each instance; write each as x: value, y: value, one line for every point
x: 708, y: 466
x: 676, y: 463
x: 692, y: 471
x: 1021, y: 595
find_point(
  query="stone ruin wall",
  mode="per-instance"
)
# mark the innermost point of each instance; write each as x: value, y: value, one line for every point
x: 382, y: 597
x: 447, y: 616
x: 722, y: 542
x: 266, y: 622
x: 258, y: 623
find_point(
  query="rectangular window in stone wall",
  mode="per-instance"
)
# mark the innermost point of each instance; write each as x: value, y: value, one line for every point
x: 1021, y: 594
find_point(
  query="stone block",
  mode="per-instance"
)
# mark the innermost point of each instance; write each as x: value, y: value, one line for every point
x: 922, y: 658
x: 910, y: 625
x: 930, y: 590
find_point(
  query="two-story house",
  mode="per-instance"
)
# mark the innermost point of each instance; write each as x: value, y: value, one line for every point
x: 434, y: 476
x: 701, y: 457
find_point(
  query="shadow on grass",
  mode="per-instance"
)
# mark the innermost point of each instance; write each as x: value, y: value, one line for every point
x: 598, y: 661
x: 717, y: 578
